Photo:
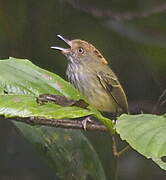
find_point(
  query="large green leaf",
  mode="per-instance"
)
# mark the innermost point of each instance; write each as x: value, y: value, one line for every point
x: 146, y: 133
x: 18, y: 76
x: 20, y: 83
x: 27, y: 106
x: 67, y: 151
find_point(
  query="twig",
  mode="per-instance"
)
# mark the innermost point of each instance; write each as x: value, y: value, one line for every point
x: 60, y: 123
x: 160, y: 101
x: 117, y: 155
x: 108, y: 13
x: 114, y: 148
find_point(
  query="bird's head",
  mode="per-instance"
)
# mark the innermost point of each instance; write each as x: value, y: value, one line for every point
x: 80, y: 51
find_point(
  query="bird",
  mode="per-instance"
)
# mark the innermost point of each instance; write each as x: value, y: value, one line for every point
x: 91, y: 74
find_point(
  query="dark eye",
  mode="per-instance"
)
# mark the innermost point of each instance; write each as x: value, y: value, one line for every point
x: 81, y: 50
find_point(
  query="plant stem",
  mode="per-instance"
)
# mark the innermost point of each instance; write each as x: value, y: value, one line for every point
x: 117, y: 155
x: 116, y: 158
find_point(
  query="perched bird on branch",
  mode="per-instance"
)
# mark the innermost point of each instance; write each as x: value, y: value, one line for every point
x: 89, y: 72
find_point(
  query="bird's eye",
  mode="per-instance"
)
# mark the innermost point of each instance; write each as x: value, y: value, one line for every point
x: 81, y: 50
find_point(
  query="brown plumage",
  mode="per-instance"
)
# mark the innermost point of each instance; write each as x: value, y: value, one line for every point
x: 89, y: 72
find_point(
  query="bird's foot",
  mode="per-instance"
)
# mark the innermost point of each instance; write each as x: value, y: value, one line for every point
x: 88, y: 119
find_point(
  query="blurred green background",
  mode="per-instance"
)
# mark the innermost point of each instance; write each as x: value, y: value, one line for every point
x: 131, y: 34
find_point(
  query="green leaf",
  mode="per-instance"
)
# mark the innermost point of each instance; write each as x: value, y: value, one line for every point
x: 67, y: 151
x: 18, y: 76
x: 146, y: 133
x: 27, y: 106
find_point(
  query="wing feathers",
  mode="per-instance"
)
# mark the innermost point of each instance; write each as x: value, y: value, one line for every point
x: 113, y: 87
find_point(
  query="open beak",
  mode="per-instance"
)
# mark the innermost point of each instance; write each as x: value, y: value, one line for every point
x: 64, y: 50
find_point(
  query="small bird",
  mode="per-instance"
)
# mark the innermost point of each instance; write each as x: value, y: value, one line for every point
x: 89, y: 72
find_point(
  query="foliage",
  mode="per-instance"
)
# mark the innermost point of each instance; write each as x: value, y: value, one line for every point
x: 146, y: 134
x: 21, y: 82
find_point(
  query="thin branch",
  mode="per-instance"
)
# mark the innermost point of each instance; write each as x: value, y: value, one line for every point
x: 115, y: 151
x: 108, y: 13
x: 60, y: 123
x: 160, y: 101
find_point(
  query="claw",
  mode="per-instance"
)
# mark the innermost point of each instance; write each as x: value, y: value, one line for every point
x: 85, y: 121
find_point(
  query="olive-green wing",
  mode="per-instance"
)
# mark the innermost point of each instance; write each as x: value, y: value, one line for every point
x: 113, y: 87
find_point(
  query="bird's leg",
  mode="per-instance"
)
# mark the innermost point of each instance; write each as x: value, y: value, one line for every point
x: 61, y: 100
x: 42, y: 99
x: 46, y: 98
x: 114, y: 120
x: 86, y: 120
